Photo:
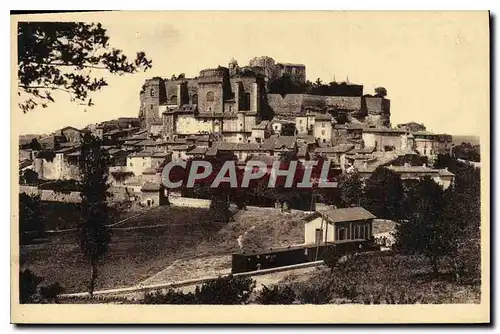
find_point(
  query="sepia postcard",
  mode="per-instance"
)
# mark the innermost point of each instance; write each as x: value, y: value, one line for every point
x: 250, y: 167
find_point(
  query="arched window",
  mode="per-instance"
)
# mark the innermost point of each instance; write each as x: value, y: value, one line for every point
x: 194, y: 99
x: 173, y: 99
x: 210, y: 97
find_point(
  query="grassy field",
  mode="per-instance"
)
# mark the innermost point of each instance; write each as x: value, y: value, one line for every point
x: 385, y: 274
x: 137, y: 254
x: 60, y: 216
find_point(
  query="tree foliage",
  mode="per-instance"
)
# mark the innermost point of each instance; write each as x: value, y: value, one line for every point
x: 94, y: 233
x: 442, y: 224
x: 383, y: 194
x: 28, y: 176
x: 467, y: 151
x: 65, y: 56
x: 227, y: 290
x: 31, y: 219
x: 31, y: 292
x: 380, y: 92
x: 421, y: 229
x: 277, y: 295
x: 351, y: 188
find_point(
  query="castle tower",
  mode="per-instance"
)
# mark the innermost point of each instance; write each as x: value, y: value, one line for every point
x: 233, y: 67
x: 152, y: 95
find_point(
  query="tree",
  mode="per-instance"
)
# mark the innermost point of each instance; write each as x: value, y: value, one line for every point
x: 351, y: 187
x: 35, y: 145
x: 380, y: 92
x: 65, y: 57
x: 28, y: 176
x: 31, y: 219
x: 227, y: 290
x: 94, y: 233
x: 28, y: 286
x: 277, y: 295
x: 30, y: 291
x: 421, y: 229
x: 318, y: 83
x: 383, y: 194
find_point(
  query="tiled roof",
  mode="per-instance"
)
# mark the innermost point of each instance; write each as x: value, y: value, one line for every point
x: 238, y: 147
x: 364, y: 150
x: 151, y: 186
x: 346, y: 214
x: 276, y: 142
x: 147, y: 153
x: 261, y: 126
x: 150, y: 142
x: 149, y: 171
x: 322, y: 117
x: 197, y: 150
x: 383, y: 130
x: 342, y: 148
x: 445, y: 172
x: 181, y: 147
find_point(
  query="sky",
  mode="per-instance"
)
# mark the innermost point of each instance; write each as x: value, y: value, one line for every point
x: 435, y: 66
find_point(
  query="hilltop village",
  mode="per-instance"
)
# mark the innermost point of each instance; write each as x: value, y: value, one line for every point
x: 266, y: 109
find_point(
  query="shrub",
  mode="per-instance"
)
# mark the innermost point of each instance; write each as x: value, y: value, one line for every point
x: 277, y: 295
x: 31, y: 293
x: 225, y: 290
x: 170, y: 297
x: 228, y: 290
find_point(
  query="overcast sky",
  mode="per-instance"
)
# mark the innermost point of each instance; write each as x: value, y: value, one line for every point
x: 434, y: 65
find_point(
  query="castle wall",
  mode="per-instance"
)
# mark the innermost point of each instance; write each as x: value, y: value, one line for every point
x: 188, y: 124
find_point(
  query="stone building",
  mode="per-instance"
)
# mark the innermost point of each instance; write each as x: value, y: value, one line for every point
x: 222, y: 100
x: 297, y: 72
x: 323, y: 128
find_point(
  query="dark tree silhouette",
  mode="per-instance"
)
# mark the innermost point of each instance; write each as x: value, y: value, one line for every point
x: 94, y: 232
x: 421, y: 229
x: 380, y: 92
x: 351, y: 189
x: 31, y: 219
x: 383, y: 194
x: 65, y: 56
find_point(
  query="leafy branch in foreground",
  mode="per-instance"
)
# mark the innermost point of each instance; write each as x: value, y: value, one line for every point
x: 64, y: 56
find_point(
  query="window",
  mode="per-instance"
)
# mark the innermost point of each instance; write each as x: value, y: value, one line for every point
x: 323, y: 124
x: 230, y: 108
x: 151, y: 92
x: 318, y: 237
x: 341, y: 233
x: 322, y: 132
x: 194, y: 99
x: 324, y: 140
x: 173, y: 99
x: 300, y: 121
x: 151, y: 107
x: 130, y: 164
x: 210, y: 97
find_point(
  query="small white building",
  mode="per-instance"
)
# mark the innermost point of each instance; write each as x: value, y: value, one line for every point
x: 331, y: 225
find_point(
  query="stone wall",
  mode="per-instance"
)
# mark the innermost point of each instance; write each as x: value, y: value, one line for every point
x: 119, y: 194
x: 50, y: 195
x: 189, y: 202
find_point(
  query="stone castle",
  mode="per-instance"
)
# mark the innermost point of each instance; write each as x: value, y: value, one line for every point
x: 232, y: 101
